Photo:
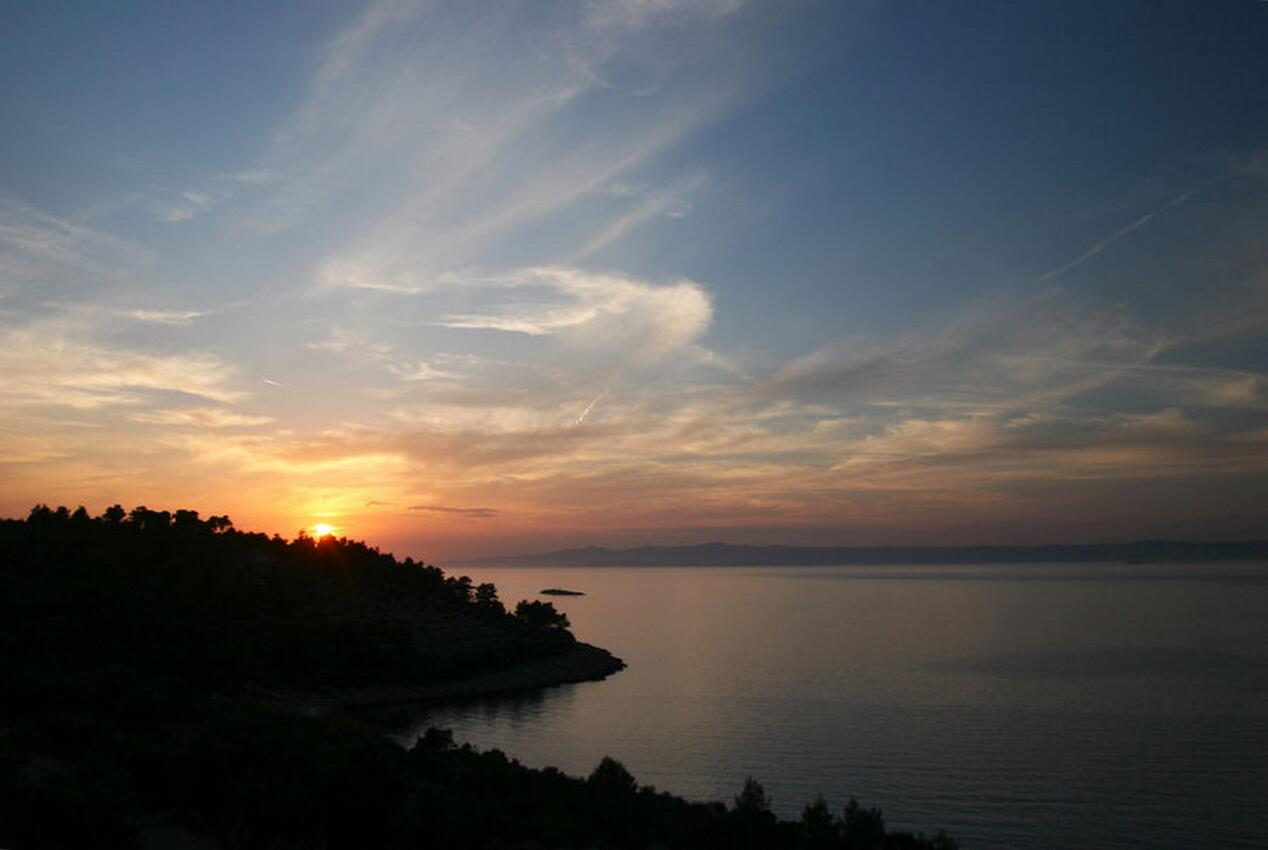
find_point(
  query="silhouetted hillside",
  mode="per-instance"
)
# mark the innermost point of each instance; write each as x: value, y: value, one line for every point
x: 196, y: 599
x: 136, y: 651
x: 730, y: 555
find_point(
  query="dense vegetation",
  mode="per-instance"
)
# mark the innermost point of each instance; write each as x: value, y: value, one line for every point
x: 136, y: 653
x: 193, y: 599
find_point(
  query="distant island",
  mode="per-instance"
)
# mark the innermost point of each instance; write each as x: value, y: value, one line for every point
x: 559, y: 591
x: 732, y: 555
x: 170, y: 681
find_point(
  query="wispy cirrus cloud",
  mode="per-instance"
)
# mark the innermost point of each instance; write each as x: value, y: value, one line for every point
x: 638, y: 14
x: 44, y: 256
x: 98, y: 312
x: 1016, y: 352
x: 557, y: 300
x: 486, y: 151
x: 181, y: 206
x: 671, y: 202
x: 473, y: 513
x: 55, y: 360
x: 200, y: 417
x: 165, y: 317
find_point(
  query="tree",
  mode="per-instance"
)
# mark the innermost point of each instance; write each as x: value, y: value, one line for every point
x: 819, y: 826
x: 611, y: 777
x: 486, y: 596
x: 752, y: 799
x: 461, y: 587
x: 541, y: 615
x: 146, y: 520
x: 864, y: 828
x: 219, y: 524
x: 753, y: 819
x: 114, y: 514
x: 435, y: 739
x: 186, y: 521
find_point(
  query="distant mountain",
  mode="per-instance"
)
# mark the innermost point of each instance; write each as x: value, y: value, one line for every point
x: 727, y: 554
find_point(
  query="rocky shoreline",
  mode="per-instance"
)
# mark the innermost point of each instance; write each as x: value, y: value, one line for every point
x: 581, y: 662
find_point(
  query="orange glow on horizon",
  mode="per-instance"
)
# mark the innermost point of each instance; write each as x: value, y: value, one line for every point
x: 323, y: 529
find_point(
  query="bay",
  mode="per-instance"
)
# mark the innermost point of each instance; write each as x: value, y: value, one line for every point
x: 1016, y: 705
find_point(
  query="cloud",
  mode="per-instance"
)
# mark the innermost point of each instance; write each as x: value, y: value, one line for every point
x: 45, y: 256
x: 165, y: 317
x: 200, y: 417
x: 420, y: 371
x: 670, y: 202
x: 95, y: 312
x: 579, y: 327
x: 182, y: 206
x: 639, y: 14
x: 474, y: 513
x: 350, y: 45
x: 176, y: 206
x: 248, y: 176
x: 560, y: 299
x: 1015, y: 352
x: 490, y: 150
x: 49, y: 362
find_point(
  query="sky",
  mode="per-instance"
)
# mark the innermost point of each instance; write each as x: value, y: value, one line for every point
x: 464, y: 278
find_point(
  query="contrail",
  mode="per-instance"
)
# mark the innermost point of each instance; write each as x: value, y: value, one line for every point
x: 589, y: 407
x: 271, y: 382
x: 1114, y: 237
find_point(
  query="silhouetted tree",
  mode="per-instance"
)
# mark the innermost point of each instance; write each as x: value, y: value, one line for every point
x: 462, y: 587
x: 114, y: 514
x: 864, y: 828
x: 435, y: 739
x: 541, y: 615
x: 486, y: 596
x: 752, y: 799
x: 147, y: 521
x: 752, y: 819
x: 818, y: 826
x: 611, y: 777
x: 186, y: 521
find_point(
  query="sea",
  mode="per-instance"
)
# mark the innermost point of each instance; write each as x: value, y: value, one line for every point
x: 1014, y: 705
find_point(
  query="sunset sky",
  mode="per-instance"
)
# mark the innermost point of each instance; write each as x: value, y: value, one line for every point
x: 464, y: 278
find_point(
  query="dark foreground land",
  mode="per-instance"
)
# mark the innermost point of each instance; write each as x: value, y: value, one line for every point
x: 150, y: 668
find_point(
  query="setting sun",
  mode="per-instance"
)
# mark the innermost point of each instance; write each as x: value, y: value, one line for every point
x: 323, y: 529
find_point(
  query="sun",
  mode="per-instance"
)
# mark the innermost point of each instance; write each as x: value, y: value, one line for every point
x: 323, y: 529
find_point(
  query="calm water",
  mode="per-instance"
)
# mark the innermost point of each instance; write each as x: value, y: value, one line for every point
x: 1017, y: 706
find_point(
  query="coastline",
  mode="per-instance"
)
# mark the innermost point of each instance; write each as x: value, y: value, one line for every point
x: 581, y: 662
